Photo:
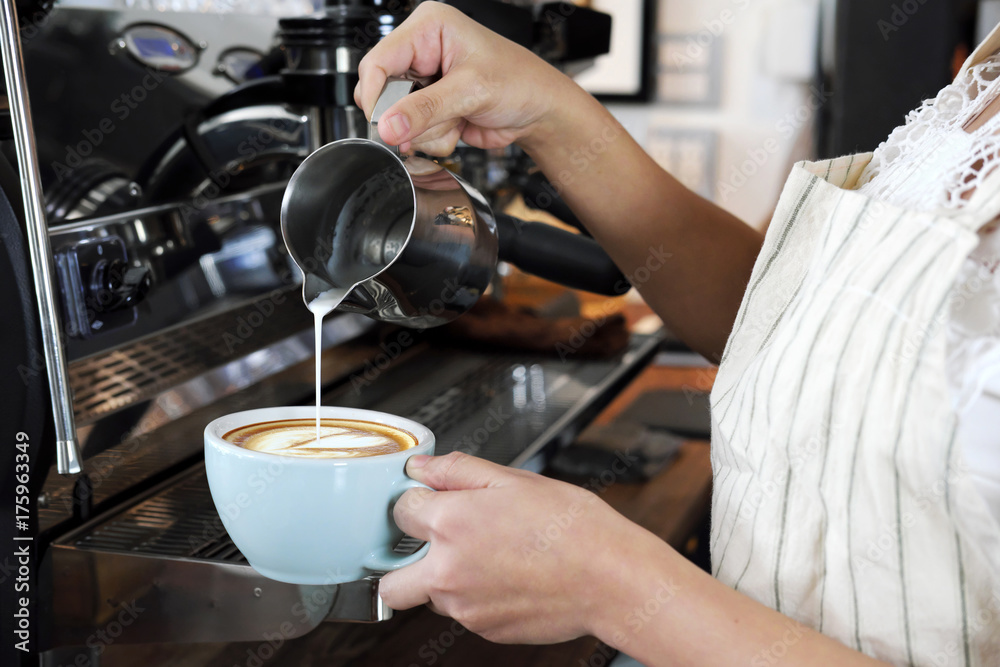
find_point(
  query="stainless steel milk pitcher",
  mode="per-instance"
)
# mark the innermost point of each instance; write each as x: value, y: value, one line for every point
x: 403, y: 241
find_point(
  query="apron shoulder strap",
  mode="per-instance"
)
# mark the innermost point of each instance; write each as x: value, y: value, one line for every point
x: 987, y: 48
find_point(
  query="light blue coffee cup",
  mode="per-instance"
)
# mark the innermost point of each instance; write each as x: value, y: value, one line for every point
x: 312, y: 521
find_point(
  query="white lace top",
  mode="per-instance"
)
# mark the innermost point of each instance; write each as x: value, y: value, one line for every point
x: 933, y: 162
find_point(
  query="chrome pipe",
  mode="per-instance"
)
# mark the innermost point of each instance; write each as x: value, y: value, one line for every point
x: 42, y: 264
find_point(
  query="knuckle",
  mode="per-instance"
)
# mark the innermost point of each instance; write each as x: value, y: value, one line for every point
x: 365, y: 66
x: 369, y: 67
x: 427, y: 105
x: 471, y: 617
x: 438, y: 522
x: 448, y: 463
x: 440, y: 581
x: 454, y: 456
x: 411, y: 501
x: 432, y: 147
x: 430, y: 9
x: 408, y: 504
x: 477, y: 94
x: 400, y: 512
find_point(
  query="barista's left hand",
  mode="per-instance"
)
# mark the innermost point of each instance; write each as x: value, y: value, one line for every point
x: 514, y: 557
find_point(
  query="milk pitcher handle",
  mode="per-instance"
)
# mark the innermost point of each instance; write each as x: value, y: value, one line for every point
x: 394, y: 90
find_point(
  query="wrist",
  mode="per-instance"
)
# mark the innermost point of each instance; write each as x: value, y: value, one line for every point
x: 567, y: 110
x: 639, y: 580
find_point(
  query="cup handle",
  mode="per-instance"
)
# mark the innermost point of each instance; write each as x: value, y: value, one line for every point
x: 385, y: 559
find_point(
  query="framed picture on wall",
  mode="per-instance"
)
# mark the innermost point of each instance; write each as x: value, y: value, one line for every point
x: 690, y: 72
x: 626, y: 74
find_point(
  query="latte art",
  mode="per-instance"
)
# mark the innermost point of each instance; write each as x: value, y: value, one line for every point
x: 338, y: 438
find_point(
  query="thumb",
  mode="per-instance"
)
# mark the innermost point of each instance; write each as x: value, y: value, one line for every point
x: 456, y: 472
x: 459, y: 94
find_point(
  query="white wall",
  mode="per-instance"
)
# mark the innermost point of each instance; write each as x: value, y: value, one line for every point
x: 762, y: 123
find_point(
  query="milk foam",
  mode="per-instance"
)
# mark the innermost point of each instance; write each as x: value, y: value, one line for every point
x: 339, y: 440
x: 333, y: 440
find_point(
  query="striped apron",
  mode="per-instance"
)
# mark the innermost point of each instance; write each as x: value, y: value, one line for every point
x: 840, y: 497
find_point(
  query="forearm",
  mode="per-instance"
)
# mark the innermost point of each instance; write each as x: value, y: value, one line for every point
x: 663, y: 610
x: 690, y: 259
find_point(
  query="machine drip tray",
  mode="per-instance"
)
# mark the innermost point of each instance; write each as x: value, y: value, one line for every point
x: 168, y: 553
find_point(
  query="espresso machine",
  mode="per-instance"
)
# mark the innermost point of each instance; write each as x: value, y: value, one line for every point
x: 144, y: 154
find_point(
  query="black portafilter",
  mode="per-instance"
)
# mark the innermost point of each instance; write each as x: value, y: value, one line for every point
x: 540, y: 194
x: 563, y: 257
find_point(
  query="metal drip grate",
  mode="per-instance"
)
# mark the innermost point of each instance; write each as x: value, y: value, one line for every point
x: 122, y: 377
x: 181, y: 521
x: 139, y: 371
x: 474, y: 391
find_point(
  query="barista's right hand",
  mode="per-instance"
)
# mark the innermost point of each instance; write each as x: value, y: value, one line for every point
x: 491, y: 93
